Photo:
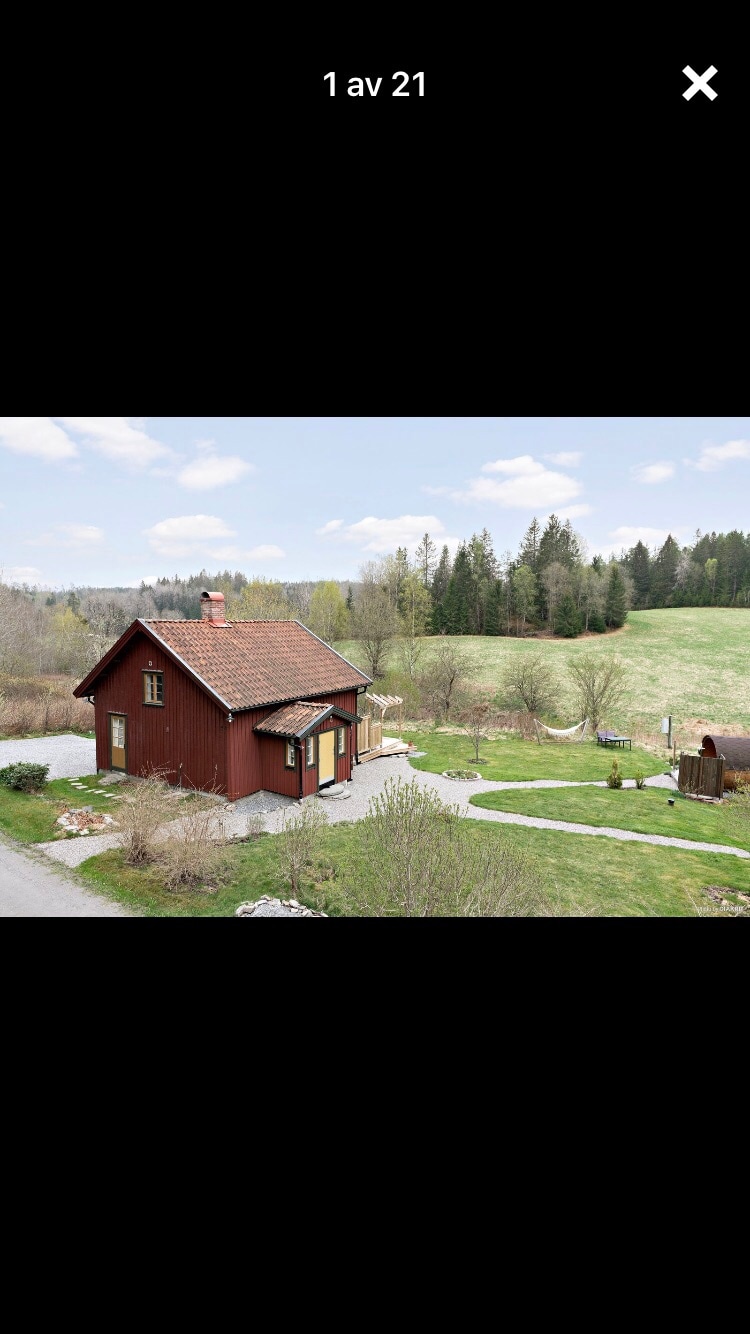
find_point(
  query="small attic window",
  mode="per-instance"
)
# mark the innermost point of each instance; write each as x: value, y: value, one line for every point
x: 153, y: 688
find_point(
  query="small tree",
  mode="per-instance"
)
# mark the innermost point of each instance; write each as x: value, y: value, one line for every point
x: 529, y: 678
x: 474, y: 720
x: 298, y: 841
x: 444, y: 679
x: 375, y: 620
x: 328, y: 618
x: 598, y: 685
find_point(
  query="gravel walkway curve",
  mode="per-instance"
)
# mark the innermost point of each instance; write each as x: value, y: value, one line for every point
x: 368, y: 780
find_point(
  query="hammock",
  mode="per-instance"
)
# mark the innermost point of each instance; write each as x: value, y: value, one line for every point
x: 561, y: 731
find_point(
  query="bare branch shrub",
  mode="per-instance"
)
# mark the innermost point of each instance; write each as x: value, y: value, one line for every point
x: 144, y: 807
x: 194, y: 852
x: 529, y: 679
x: 443, y: 682
x: 298, y: 840
x: 598, y: 685
x: 420, y: 858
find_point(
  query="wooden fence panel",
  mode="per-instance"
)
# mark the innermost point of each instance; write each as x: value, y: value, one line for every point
x: 701, y: 775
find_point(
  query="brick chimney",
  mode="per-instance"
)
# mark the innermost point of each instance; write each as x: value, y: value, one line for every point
x: 212, y: 608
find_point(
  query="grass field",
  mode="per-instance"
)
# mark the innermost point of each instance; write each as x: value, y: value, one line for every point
x: 691, y: 662
x: 31, y: 818
x: 644, y: 812
x: 597, y: 877
x: 513, y: 760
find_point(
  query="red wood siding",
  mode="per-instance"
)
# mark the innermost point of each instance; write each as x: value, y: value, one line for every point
x: 191, y: 731
x: 187, y: 736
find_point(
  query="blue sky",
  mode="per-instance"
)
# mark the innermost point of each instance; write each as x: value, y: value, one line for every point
x: 113, y: 500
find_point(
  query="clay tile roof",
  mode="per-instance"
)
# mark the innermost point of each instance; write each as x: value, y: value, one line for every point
x: 293, y: 720
x: 251, y: 663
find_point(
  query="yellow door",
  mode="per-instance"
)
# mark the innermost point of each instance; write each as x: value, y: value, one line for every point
x: 326, y: 760
x: 117, y: 738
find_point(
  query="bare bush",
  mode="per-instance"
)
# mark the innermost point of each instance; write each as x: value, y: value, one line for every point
x: 143, y: 809
x: 530, y: 680
x: 598, y: 684
x: 194, y: 851
x: 254, y: 827
x: 445, y: 679
x: 421, y: 858
x: 298, y: 840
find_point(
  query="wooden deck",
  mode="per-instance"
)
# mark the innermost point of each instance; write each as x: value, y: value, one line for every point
x: 390, y: 746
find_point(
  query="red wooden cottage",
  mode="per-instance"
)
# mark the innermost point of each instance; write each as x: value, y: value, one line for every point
x: 240, y: 707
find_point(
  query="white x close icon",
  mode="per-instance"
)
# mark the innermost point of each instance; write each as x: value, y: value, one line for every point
x: 700, y: 81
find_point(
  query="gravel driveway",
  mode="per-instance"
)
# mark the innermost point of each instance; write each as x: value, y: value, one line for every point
x: 68, y: 756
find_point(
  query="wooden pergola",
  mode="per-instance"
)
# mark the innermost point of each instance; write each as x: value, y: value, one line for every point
x: 384, y: 702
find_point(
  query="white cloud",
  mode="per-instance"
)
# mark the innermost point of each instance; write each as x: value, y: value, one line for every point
x: 267, y: 552
x: 205, y: 446
x: 573, y: 511
x: 652, y: 472
x: 627, y: 537
x: 384, y: 535
x: 566, y: 460
x: 118, y: 439
x: 713, y: 457
x: 209, y: 471
x: 530, y: 486
x: 21, y: 574
x: 186, y: 535
x: 332, y: 526
x: 523, y: 465
x: 80, y: 534
x: 37, y: 436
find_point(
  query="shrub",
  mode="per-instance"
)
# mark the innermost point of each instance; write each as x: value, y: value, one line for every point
x: 421, y: 858
x: 614, y: 777
x: 254, y: 827
x: 298, y: 840
x: 597, y: 623
x: 142, y: 810
x: 599, y: 685
x: 640, y: 780
x: 25, y: 777
x: 193, y: 852
x: 529, y: 678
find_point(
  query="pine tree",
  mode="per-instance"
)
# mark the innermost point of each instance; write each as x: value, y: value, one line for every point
x: 425, y: 559
x: 616, y: 607
x: 457, y: 603
x: 567, y: 618
x: 664, y: 572
x: 529, y: 550
x: 442, y: 575
x: 350, y: 600
x: 494, y: 610
x: 639, y: 563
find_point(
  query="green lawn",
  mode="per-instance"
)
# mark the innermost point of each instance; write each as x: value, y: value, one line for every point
x: 687, y: 661
x: 31, y: 818
x: 645, y: 812
x: 512, y: 760
x: 600, y: 877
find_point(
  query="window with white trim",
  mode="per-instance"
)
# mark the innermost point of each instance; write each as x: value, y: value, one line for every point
x: 341, y: 741
x: 310, y: 752
x: 291, y: 758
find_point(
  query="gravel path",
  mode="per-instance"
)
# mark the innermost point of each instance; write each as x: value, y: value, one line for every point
x: 368, y: 780
x: 68, y: 756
